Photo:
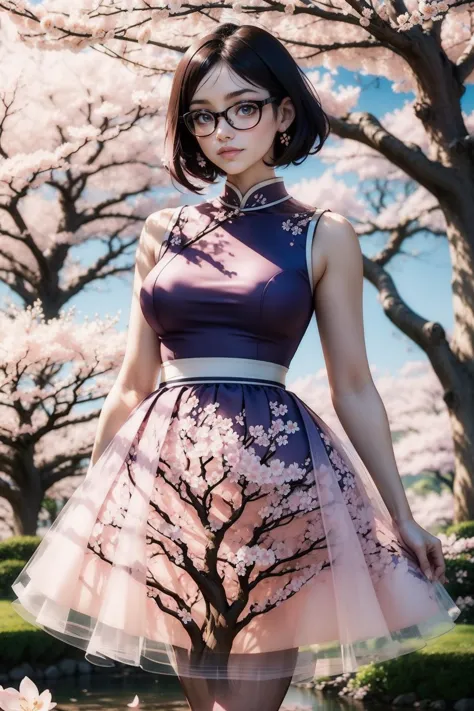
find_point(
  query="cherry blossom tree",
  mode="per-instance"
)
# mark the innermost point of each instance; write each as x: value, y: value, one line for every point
x: 7, y: 524
x: 81, y: 161
x: 419, y: 421
x: 53, y: 373
x: 431, y: 510
x: 420, y: 47
x: 80, y: 164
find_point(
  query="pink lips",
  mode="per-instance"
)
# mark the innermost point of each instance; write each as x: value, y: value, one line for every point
x: 230, y: 153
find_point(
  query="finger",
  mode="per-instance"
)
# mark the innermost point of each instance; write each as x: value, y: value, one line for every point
x: 423, y: 561
x: 438, y: 559
x: 442, y: 578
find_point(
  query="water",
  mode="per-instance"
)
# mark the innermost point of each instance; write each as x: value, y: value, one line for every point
x: 163, y: 693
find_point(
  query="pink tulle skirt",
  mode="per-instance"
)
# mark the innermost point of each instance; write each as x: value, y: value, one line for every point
x: 225, y: 532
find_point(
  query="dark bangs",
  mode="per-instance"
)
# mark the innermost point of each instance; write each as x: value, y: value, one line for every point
x: 261, y: 59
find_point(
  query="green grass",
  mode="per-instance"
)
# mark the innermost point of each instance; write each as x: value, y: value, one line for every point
x: 22, y: 642
x: 441, y: 670
x: 10, y: 621
x: 460, y: 639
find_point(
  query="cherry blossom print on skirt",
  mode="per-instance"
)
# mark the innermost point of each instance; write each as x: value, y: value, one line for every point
x: 238, y: 525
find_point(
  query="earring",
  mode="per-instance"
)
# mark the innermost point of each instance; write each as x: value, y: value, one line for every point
x: 200, y: 159
x: 285, y: 138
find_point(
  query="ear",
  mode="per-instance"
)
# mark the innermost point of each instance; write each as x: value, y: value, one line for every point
x: 286, y: 113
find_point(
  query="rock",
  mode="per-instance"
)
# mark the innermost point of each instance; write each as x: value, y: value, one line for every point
x: 83, y: 679
x: 67, y: 666
x: 17, y: 673
x: 52, y: 672
x: 404, y: 699
x: 84, y: 667
x: 3, y: 679
x: 438, y: 705
x: 423, y: 704
x: 39, y: 672
x: 105, y: 668
x: 464, y: 705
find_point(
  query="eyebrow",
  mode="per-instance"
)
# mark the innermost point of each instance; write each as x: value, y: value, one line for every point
x: 231, y: 95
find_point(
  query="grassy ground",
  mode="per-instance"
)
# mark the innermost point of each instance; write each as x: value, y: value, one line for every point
x: 22, y: 642
x: 458, y: 640
x: 10, y: 621
x: 441, y: 670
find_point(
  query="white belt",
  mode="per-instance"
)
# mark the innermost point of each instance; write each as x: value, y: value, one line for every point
x: 222, y: 369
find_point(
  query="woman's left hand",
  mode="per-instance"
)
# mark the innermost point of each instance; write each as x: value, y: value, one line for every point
x: 426, y: 547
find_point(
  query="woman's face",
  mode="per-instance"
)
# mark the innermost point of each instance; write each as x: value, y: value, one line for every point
x: 255, y: 143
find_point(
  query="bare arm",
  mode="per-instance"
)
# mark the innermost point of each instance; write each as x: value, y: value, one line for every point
x: 338, y: 307
x: 141, y: 364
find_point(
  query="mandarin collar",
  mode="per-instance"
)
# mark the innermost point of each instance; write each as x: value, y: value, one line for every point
x: 262, y: 194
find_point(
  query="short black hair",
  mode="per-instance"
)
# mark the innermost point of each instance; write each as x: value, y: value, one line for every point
x: 257, y: 56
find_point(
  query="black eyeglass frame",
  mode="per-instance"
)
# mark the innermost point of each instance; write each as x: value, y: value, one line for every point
x: 216, y: 114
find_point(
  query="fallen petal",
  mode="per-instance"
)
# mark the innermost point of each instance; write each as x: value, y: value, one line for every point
x: 133, y: 704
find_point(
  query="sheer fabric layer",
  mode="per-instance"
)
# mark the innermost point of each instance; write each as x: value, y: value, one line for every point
x: 226, y: 532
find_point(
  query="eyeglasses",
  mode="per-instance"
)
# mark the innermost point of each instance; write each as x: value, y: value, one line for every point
x: 242, y: 116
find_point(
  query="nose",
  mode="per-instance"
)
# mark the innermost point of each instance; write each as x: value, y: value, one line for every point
x: 223, y: 127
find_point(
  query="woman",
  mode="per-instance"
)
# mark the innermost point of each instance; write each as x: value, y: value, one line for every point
x: 223, y: 533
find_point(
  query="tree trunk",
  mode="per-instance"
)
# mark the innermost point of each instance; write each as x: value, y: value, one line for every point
x: 462, y: 427
x: 212, y: 655
x: 26, y: 512
x: 460, y: 397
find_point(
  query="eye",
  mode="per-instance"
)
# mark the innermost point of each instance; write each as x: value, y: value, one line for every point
x: 247, y: 108
x: 202, y: 117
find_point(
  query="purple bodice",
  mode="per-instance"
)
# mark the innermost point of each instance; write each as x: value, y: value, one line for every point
x: 244, y: 289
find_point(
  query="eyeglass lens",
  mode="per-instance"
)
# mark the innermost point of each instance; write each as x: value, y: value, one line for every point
x: 241, y: 116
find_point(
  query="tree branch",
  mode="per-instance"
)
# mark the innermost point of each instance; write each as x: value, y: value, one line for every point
x: 365, y: 128
x: 430, y: 336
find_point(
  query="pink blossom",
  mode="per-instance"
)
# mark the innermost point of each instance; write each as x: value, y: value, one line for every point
x: 26, y: 699
x: 144, y: 35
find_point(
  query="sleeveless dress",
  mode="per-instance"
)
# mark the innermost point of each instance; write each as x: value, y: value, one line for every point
x: 226, y: 531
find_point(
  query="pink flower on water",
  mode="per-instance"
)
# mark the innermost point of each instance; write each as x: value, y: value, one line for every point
x: 26, y: 699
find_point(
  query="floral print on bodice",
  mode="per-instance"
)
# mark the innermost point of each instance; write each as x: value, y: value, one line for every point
x: 243, y: 288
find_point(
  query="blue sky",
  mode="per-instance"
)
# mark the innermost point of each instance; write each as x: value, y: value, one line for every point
x: 423, y: 282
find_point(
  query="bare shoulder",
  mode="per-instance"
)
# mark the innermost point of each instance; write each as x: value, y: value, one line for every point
x: 336, y: 240
x: 155, y: 228
x: 336, y: 231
